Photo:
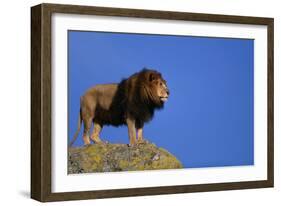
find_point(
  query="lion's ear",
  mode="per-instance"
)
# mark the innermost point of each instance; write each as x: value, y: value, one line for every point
x: 152, y: 77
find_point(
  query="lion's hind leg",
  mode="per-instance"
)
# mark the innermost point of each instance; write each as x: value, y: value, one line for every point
x: 87, y: 116
x: 86, y: 134
x: 96, y: 133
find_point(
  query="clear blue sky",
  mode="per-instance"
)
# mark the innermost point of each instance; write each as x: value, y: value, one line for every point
x: 208, y: 119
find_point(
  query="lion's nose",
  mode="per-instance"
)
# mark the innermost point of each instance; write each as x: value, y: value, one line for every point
x: 168, y: 92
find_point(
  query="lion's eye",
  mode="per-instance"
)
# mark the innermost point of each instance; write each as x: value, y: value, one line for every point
x: 161, y: 84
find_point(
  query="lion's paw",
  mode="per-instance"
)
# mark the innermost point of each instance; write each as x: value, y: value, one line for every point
x: 143, y: 141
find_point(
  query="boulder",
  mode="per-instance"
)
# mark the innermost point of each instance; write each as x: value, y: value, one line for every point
x: 119, y: 157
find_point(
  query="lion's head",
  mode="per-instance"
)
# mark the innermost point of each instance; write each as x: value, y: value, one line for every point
x: 154, y: 87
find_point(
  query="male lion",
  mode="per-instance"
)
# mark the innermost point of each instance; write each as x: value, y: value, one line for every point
x: 131, y: 102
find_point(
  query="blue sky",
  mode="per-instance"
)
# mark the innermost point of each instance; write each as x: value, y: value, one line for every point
x: 208, y: 119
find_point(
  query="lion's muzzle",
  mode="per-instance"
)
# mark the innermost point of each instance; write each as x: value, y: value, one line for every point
x: 165, y: 96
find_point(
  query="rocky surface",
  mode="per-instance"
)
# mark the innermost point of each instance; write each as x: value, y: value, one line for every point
x: 119, y: 157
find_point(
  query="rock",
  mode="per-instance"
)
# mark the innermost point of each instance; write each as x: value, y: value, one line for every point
x: 119, y: 157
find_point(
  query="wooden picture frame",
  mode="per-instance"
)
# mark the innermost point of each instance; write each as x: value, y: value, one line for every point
x: 41, y: 98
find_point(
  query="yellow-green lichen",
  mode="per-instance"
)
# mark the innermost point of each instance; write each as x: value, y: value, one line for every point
x: 120, y: 157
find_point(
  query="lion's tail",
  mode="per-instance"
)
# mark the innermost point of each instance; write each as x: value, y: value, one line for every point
x: 78, y: 129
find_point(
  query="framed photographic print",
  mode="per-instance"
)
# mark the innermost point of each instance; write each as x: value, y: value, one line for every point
x: 130, y: 102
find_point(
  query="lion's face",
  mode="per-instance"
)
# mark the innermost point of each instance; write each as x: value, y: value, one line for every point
x: 162, y: 90
x: 159, y: 86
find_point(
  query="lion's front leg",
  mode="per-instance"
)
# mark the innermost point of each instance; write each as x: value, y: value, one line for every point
x: 139, y: 127
x: 132, y: 131
x: 141, y: 139
x: 140, y: 135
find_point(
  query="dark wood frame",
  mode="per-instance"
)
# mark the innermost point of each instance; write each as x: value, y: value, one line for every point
x: 41, y: 101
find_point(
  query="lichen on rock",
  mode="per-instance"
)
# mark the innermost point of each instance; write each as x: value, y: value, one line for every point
x: 119, y: 157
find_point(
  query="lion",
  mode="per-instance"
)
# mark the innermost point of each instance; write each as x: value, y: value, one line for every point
x: 132, y: 102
